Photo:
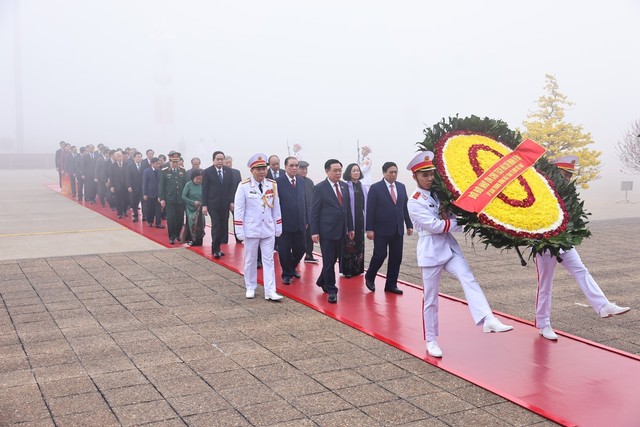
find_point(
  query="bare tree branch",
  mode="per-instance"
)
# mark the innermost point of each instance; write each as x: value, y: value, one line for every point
x: 628, y: 149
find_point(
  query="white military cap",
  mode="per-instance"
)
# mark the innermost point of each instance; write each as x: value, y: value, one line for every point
x: 423, y: 161
x: 257, y: 161
x: 567, y: 163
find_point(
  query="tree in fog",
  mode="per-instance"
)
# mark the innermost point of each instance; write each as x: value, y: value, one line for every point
x: 548, y: 127
x: 629, y: 148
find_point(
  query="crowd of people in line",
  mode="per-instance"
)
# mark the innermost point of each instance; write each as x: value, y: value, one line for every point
x: 284, y: 211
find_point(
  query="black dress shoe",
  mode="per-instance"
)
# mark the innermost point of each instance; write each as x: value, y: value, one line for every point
x: 286, y: 280
x: 135, y: 219
x: 333, y: 298
x: 172, y: 241
x: 347, y: 276
x: 259, y: 264
x: 150, y: 224
x: 370, y: 284
x: 160, y: 226
x: 178, y: 239
x: 119, y: 216
x: 296, y: 275
x: 221, y: 253
x: 393, y: 291
x: 216, y: 255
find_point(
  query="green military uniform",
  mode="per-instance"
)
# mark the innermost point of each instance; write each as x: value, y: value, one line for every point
x: 172, y: 182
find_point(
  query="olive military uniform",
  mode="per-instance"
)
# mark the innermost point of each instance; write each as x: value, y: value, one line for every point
x: 172, y: 182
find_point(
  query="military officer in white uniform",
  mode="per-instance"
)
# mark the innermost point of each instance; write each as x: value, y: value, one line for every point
x: 258, y: 222
x: 546, y: 264
x: 438, y: 250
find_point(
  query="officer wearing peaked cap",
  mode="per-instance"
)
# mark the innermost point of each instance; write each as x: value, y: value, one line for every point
x: 258, y: 222
x: 173, y: 178
x: 546, y: 264
x: 567, y: 166
x: 438, y: 250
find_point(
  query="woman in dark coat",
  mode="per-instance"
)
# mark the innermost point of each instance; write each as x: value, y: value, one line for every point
x: 352, y: 260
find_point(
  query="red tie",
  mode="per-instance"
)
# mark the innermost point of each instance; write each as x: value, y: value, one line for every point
x: 293, y: 182
x: 393, y: 194
x: 338, y: 193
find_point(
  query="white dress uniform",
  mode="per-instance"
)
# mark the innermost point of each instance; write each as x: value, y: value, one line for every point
x: 258, y: 222
x: 438, y: 250
x: 546, y: 265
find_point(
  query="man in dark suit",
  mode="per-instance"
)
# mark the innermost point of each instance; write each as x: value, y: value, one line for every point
x: 134, y: 183
x: 387, y: 215
x: 330, y: 222
x: 291, y: 245
x: 195, y: 165
x: 308, y: 192
x: 78, y: 161
x: 90, y: 184
x: 150, y: 184
x: 59, y: 152
x: 274, y: 171
x: 217, y: 200
x: 237, y: 178
x: 118, y: 184
x: 146, y: 162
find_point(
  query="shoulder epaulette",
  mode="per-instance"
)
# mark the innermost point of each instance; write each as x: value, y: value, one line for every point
x: 416, y: 195
x: 244, y: 181
x: 164, y: 169
x: 271, y: 180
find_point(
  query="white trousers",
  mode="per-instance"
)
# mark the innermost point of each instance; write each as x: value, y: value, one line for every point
x: 251, y: 264
x: 459, y: 268
x: 546, y: 265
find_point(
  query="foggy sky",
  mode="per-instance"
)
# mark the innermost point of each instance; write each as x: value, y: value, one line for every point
x: 248, y: 76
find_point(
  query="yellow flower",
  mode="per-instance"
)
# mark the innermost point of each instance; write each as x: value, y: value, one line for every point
x: 527, y: 206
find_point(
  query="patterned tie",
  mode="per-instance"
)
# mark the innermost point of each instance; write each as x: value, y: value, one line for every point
x: 393, y: 194
x: 293, y: 183
x: 338, y: 193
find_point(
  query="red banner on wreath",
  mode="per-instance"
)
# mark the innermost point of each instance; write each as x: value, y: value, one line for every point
x: 497, y: 177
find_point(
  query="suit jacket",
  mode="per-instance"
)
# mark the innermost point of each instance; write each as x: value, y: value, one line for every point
x: 118, y: 177
x: 90, y: 165
x: 237, y: 179
x: 145, y: 164
x: 190, y: 171
x: 150, y: 183
x: 216, y: 194
x: 292, y: 204
x: 134, y: 177
x: 308, y: 193
x: 328, y: 218
x: 78, y: 162
x: 102, y: 168
x: 270, y: 173
x: 384, y: 217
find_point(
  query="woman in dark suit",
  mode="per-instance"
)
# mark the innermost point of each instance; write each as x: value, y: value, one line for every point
x: 352, y: 261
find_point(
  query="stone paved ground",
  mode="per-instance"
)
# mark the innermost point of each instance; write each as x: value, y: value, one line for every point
x: 165, y: 337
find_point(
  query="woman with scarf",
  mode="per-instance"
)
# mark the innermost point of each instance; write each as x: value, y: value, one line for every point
x: 192, y: 196
x: 352, y: 260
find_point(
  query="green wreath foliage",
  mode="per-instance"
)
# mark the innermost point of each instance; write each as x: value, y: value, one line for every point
x: 497, y: 129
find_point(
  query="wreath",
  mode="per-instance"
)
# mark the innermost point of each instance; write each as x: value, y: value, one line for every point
x: 538, y: 210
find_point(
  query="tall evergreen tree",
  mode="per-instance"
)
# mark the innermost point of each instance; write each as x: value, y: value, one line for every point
x: 547, y: 126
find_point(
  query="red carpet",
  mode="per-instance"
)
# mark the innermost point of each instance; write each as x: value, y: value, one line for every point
x: 572, y: 381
